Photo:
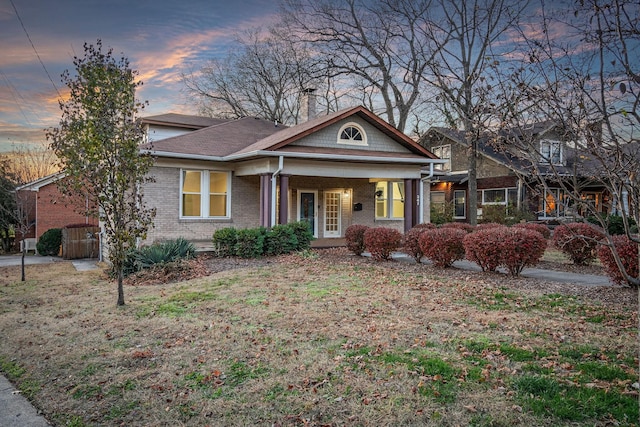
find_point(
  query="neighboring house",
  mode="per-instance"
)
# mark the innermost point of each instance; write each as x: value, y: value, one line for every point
x: 49, y: 208
x: 348, y: 167
x: 504, y: 177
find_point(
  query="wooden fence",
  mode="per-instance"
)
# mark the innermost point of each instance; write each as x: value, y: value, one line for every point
x: 80, y: 242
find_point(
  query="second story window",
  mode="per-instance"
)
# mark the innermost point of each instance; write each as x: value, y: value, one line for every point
x: 551, y: 152
x: 444, y: 152
x: 352, y: 134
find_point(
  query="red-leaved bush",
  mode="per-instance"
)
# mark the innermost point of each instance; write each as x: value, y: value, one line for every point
x: 484, y: 247
x: 459, y: 226
x: 578, y: 241
x: 627, y: 250
x: 443, y: 246
x: 354, y: 236
x: 540, y: 228
x: 511, y: 248
x: 381, y: 241
x: 520, y: 248
x: 412, y: 241
x: 487, y: 225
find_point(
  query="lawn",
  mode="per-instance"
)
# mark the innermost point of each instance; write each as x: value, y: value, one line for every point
x: 321, y: 339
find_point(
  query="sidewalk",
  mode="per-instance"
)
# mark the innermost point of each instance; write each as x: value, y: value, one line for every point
x: 15, y: 409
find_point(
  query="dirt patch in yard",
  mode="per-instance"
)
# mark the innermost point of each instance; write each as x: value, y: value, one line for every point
x: 320, y: 339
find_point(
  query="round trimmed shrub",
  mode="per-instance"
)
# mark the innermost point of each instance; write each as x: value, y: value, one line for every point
x: 354, y: 235
x: 520, y: 248
x: 280, y: 239
x: 578, y: 241
x: 627, y: 250
x: 484, y: 247
x: 468, y: 228
x: 225, y: 239
x: 412, y: 241
x: 487, y: 226
x: 49, y: 243
x: 380, y: 242
x: 443, y: 246
x: 534, y: 226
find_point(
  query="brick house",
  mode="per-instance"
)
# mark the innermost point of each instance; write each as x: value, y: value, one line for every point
x: 504, y: 178
x: 348, y: 167
x: 49, y: 208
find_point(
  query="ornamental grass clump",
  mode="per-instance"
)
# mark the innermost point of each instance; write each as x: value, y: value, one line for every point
x: 443, y: 246
x: 578, y: 241
x: 627, y: 250
x: 354, y: 236
x: 380, y: 242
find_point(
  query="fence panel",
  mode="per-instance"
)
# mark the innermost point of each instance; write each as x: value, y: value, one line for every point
x: 80, y: 242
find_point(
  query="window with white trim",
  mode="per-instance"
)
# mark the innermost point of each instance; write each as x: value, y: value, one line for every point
x: 553, y: 203
x: 444, y: 152
x: 205, y: 194
x: 389, y: 200
x: 551, y: 152
x: 499, y: 196
x: 459, y: 204
x: 352, y: 134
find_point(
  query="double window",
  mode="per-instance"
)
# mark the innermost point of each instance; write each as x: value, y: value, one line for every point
x: 499, y: 196
x: 205, y: 194
x: 389, y: 200
x: 551, y: 152
x: 444, y: 152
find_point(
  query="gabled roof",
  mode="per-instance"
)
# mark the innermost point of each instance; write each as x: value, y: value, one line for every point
x: 182, y: 120
x: 249, y: 137
x: 42, y: 182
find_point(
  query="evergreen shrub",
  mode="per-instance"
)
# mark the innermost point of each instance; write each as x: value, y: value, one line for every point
x: 49, y: 243
x: 354, y: 236
x: 280, y: 239
x: 443, y: 246
x: 381, y: 242
x: 225, y: 239
x: 578, y: 241
x: 250, y: 242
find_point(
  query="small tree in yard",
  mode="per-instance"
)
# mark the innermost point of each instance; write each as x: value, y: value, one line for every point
x: 97, y: 144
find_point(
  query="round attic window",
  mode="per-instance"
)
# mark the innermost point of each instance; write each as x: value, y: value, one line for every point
x: 352, y: 134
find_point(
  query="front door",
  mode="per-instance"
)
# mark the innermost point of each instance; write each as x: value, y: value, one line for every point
x: 307, y: 209
x: 332, y: 215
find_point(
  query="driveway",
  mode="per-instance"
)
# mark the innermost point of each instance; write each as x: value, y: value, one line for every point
x: 10, y: 260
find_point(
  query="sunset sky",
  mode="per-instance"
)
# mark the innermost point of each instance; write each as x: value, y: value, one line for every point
x: 161, y: 38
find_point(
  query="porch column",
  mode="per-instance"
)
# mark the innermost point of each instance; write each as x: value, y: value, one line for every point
x: 417, y: 203
x: 265, y: 200
x: 409, y: 201
x: 283, y: 217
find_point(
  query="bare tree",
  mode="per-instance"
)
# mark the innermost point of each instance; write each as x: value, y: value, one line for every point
x: 263, y: 75
x: 375, y: 50
x: 466, y: 68
x: 30, y: 164
x: 583, y: 74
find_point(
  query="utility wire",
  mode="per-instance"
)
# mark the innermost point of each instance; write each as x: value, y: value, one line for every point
x: 34, y: 48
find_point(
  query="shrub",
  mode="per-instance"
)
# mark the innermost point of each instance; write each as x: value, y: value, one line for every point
x: 250, y: 242
x: 381, y: 241
x: 412, y: 241
x: 484, y: 247
x: 578, y: 241
x: 615, y: 224
x: 426, y: 225
x: 49, y: 243
x: 225, y: 240
x: 280, y: 239
x: 487, y: 226
x: 157, y: 254
x: 627, y: 250
x: 303, y: 233
x: 443, y: 246
x: 467, y: 228
x: 442, y: 214
x: 520, y: 248
x: 540, y: 228
x: 354, y: 235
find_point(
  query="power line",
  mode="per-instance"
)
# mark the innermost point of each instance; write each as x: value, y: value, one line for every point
x: 34, y: 49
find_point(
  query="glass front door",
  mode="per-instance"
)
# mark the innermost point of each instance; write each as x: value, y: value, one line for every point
x: 307, y: 209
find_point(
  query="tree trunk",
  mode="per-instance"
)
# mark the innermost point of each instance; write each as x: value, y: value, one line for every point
x: 24, y: 278
x: 120, y: 287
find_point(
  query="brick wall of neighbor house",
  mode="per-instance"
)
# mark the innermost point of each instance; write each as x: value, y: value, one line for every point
x: 164, y: 194
x: 56, y: 210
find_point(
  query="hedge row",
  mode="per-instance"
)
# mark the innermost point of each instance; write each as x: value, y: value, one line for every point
x: 256, y: 242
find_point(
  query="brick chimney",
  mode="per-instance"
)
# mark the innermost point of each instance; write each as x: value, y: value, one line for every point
x: 308, y: 105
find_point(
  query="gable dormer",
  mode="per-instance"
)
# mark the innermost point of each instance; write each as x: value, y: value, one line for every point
x: 551, y: 152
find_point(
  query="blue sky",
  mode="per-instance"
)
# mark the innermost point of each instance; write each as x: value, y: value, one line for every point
x: 161, y: 39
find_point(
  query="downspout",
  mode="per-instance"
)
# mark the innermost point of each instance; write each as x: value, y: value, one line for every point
x: 273, y: 189
x: 422, y: 181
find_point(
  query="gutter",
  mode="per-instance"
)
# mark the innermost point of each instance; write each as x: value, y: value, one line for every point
x: 422, y: 181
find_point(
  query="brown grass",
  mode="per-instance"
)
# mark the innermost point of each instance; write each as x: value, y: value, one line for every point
x: 328, y: 339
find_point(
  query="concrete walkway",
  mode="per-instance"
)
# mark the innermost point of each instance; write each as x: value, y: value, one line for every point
x: 16, y: 411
